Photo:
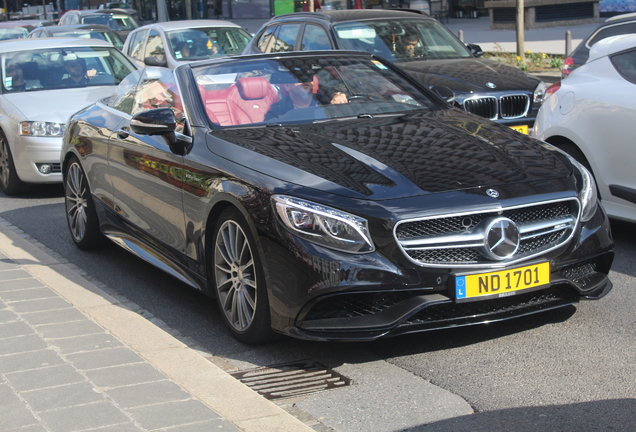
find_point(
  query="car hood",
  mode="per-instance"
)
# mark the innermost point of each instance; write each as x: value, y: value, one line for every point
x: 393, y: 156
x: 470, y: 75
x: 56, y: 105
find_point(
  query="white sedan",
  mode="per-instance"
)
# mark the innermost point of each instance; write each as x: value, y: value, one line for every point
x: 591, y: 116
x: 44, y: 81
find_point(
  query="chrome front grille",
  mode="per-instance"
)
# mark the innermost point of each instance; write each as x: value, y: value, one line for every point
x: 505, y: 107
x: 458, y: 239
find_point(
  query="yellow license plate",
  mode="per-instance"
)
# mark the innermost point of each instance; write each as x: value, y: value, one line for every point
x: 523, y: 129
x: 501, y: 283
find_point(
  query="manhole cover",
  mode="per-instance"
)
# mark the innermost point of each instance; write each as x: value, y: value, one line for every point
x: 291, y: 379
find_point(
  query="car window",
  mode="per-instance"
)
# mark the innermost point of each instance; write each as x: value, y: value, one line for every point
x: 154, y: 46
x: 315, y: 38
x: 206, y: 42
x: 158, y: 89
x: 13, y: 33
x: 615, y: 30
x: 55, y: 68
x: 124, y: 22
x: 279, y: 39
x: 625, y: 64
x: 401, y: 39
x: 135, y: 48
x: 292, y: 91
x: 123, y: 97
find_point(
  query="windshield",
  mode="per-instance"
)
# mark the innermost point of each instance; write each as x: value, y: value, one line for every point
x: 401, y: 39
x: 201, y: 43
x: 109, y: 37
x: 54, y: 68
x: 114, y: 21
x: 300, y: 90
x: 13, y: 33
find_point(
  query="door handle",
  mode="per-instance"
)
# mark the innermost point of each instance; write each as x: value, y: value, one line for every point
x: 122, y: 134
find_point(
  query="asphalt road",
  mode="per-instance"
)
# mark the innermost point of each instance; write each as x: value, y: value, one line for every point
x: 566, y: 370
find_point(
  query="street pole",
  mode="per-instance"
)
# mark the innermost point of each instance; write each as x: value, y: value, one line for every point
x: 520, y: 27
x: 161, y: 11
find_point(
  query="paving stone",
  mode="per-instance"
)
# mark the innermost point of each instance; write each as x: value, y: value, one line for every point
x: 79, y: 418
x: 172, y: 414
x: 21, y: 344
x: 7, y: 315
x: 15, y: 416
x: 68, y: 329
x: 31, y: 428
x: 53, y: 316
x: 44, y: 377
x: 27, y: 294
x: 147, y: 394
x: 30, y: 360
x: 118, y: 376
x: 15, y: 328
x: 7, y: 397
x: 104, y: 358
x: 208, y: 426
x: 128, y: 427
x: 40, y: 305
x: 86, y: 343
x: 62, y: 396
x: 16, y: 284
x: 7, y: 264
x: 13, y: 274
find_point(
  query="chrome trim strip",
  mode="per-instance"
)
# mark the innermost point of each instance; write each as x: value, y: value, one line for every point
x: 525, y: 112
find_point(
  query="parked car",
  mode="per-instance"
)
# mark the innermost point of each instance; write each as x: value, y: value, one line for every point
x: 120, y: 5
x: 589, y: 116
x: 116, y: 19
x: 38, y: 96
x: 616, y: 25
x: 19, y: 29
x: 171, y: 43
x: 330, y: 196
x: 420, y: 45
x: 86, y: 31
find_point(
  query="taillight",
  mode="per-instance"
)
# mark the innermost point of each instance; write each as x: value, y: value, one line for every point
x: 567, y: 66
x: 553, y: 88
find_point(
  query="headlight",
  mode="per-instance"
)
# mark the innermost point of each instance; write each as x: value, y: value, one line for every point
x: 539, y: 93
x: 38, y: 128
x: 323, y: 225
x: 588, y: 194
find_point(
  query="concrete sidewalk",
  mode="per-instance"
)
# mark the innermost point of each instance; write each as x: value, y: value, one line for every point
x: 76, y: 358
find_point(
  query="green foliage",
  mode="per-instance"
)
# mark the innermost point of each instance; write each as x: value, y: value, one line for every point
x: 534, y: 62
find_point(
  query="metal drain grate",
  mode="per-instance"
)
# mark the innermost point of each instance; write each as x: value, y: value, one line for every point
x: 291, y: 379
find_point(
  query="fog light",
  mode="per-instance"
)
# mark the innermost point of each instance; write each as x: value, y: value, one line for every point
x: 45, y: 168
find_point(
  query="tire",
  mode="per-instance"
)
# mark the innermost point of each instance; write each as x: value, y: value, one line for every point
x: 9, y: 180
x: 239, y: 281
x: 80, y: 210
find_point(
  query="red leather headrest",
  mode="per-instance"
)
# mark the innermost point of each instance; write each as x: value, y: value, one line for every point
x: 253, y: 87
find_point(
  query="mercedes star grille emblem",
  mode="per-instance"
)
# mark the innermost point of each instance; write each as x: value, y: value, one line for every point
x: 492, y: 193
x: 491, y: 85
x: 501, y: 239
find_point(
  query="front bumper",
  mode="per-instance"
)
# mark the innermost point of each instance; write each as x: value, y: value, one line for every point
x: 30, y: 152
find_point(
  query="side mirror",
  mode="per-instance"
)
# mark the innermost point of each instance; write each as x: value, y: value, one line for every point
x: 444, y: 93
x: 160, y: 121
x: 154, y: 61
x: 475, y: 50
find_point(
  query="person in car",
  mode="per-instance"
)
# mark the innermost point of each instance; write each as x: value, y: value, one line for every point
x: 302, y: 94
x: 409, y: 46
x: 15, y: 81
x: 77, y: 73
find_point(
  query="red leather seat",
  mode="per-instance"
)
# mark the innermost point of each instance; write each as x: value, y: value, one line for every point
x: 216, y: 105
x: 251, y: 100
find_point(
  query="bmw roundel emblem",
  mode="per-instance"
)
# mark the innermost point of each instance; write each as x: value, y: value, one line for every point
x: 491, y: 85
x: 492, y: 193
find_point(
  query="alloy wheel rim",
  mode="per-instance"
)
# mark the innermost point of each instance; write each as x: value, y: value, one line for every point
x: 235, y: 276
x: 4, y: 163
x: 76, y: 201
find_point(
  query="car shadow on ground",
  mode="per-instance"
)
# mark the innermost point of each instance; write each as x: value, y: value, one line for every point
x: 603, y: 415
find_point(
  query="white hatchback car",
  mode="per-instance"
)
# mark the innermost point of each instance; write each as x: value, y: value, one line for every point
x: 590, y: 115
x: 44, y: 81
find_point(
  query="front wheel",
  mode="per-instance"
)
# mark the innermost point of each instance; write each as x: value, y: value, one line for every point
x: 9, y: 180
x: 80, y: 210
x: 240, y: 284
